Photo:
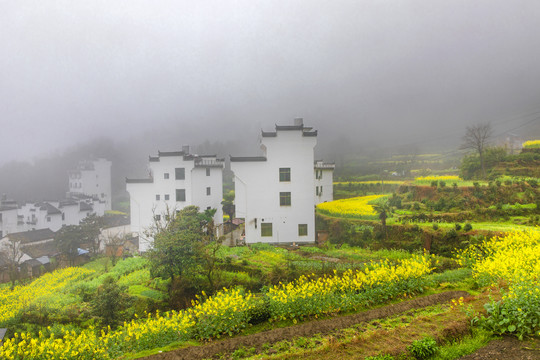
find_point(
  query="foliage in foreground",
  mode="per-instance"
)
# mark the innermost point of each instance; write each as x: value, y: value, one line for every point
x: 227, y: 312
x: 513, y: 263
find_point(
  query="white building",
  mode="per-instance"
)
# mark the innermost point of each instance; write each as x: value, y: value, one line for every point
x: 92, y: 178
x: 177, y: 179
x: 276, y: 193
x: 47, y: 214
x: 324, y: 182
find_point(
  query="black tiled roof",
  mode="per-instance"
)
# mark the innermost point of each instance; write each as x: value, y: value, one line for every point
x: 289, y: 127
x: 139, y: 181
x: 51, y: 210
x: 48, y: 248
x: 171, y: 153
x: 247, y: 158
x: 27, y: 237
x: 83, y: 206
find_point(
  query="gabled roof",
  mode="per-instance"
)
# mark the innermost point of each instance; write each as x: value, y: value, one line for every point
x: 51, y: 210
x: 28, y: 237
x: 38, y: 251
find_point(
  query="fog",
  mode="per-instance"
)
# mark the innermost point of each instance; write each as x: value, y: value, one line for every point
x: 151, y: 75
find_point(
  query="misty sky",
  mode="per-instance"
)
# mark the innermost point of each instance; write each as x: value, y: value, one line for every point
x: 370, y: 71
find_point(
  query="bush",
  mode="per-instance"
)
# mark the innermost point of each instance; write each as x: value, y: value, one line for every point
x: 435, y: 226
x: 457, y: 227
x: 467, y: 227
x: 423, y: 349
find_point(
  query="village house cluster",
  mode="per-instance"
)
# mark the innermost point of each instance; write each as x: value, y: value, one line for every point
x: 275, y: 192
x: 33, y: 225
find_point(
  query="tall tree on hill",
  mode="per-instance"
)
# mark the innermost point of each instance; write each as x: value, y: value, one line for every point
x: 68, y: 241
x: 13, y: 254
x: 477, y: 138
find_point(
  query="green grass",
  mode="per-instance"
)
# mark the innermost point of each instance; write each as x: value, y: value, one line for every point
x: 466, y: 345
x: 487, y: 226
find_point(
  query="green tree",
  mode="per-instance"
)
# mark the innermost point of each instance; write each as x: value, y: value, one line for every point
x: 109, y: 302
x: 13, y: 254
x: 186, y: 248
x: 384, y: 209
x: 228, y: 204
x: 68, y: 241
x: 90, y: 230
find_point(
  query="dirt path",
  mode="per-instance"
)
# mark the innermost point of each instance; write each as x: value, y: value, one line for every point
x: 507, y: 348
x: 306, y: 329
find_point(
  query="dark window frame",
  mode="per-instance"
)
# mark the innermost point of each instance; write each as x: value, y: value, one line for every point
x: 284, y: 174
x: 285, y: 198
x: 180, y: 195
x: 266, y: 230
x: 302, y: 229
x: 180, y: 173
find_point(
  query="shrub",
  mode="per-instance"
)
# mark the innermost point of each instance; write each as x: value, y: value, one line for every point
x: 423, y: 349
x: 457, y: 227
x: 435, y: 226
x: 467, y: 227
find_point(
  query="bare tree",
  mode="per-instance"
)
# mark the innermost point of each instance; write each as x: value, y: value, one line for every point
x: 114, y: 242
x: 476, y: 138
x: 12, y: 251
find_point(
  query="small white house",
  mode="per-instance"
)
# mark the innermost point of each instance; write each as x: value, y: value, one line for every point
x: 177, y: 179
x: 276, y: 192
x: 324, y: 181
x: 92, y: 178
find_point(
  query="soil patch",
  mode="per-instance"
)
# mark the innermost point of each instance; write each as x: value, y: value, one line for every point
x: 307, y: 329
x: 507, y: 348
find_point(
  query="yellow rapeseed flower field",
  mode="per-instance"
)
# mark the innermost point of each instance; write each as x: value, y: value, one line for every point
x: 40, y: 290
x: 531, y: 144
x: 357, y: 207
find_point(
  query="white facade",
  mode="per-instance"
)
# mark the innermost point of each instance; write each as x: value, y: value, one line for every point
x: 324, y: 182
x: 92, y: 178
x: 178, y: 179
x: 9, y: 217
x: 275, y: 192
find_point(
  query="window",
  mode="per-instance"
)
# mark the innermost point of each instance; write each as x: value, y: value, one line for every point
x: 284, y: 174
x: 48, y: 219
x: 208, y: 191
x: 318, y: 174
x: 266, y: 229
x: 180, y: 194
x: 63, y: 216
x: 0, y: 217
x: 157, y: 197
x: 166, y: 175
x: 285, y: 198
x: 302, y: 229
x: 180, y: 173
x: 157, y: 217
x: 207, y: 171
x: 318, y: 190
x: 166, y: 196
